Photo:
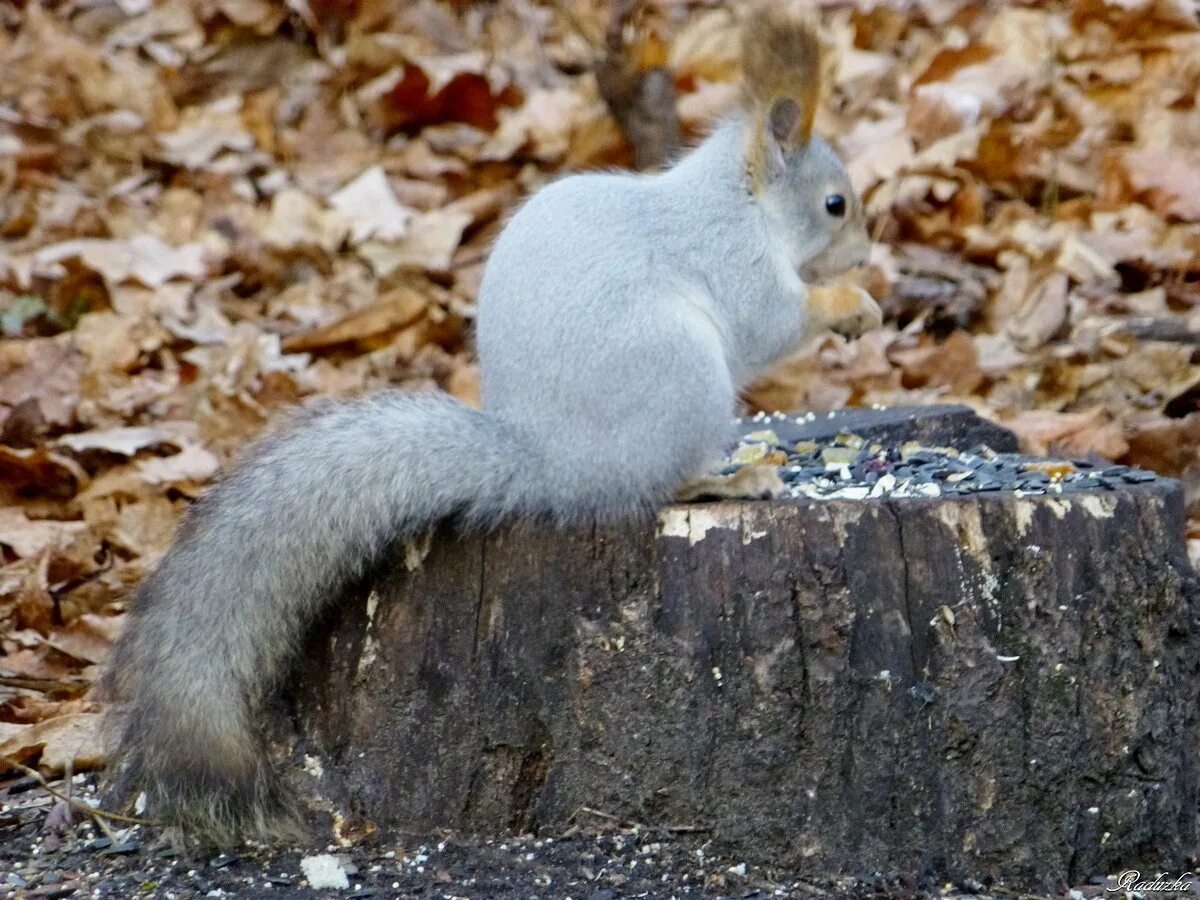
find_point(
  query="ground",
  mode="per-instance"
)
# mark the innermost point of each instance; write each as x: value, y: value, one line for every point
x: 597, y: 861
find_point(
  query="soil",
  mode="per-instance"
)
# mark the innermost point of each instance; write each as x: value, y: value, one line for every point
x: 597, y: 861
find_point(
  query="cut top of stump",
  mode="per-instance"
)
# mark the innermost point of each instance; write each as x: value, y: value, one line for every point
x: 946, y: 451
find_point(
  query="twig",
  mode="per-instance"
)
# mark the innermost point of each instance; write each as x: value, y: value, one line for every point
x: 77, y: 804
x: 597, y: 812
x: 43, y: 685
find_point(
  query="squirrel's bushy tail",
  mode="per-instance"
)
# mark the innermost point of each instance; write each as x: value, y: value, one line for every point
x: 214, y: 628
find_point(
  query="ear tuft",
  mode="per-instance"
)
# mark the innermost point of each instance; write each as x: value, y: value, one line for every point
x: 781, y: 71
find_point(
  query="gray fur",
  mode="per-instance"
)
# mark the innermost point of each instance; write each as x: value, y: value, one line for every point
x: 618, y: 318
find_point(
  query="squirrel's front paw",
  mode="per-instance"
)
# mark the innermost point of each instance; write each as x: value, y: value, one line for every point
x: 844, y: 309
x: 758, y: 482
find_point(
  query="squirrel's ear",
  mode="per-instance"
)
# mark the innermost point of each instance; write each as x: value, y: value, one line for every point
x: 781, y: 69
x: 786, y: 123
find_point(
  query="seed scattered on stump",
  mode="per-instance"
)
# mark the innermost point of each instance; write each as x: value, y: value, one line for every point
x: 848, y: 467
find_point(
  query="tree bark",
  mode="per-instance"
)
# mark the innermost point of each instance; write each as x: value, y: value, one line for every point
x: 984, y: 686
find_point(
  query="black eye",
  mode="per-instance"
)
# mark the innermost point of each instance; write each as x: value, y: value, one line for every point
x: 835, y: 205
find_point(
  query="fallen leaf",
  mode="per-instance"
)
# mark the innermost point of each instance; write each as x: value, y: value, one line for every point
x: 1167, y: 446
x: 72, y: 743
x: 145, y: 527
x: 88, y: 638
x: 1044, y: 432
x: 432, y: 239
x: 143, y: 257
x: 543, y: 124
x: 33, y: 664
x: 371, y: 208
x: 707, y: 47
x: 25, y: 594
x: 952, y: 364
x: 939, y: 110
x: 46, y: 372
x: 191, y: 464
x: 127, y: 441
x: 205, y: 133
x: 1165, y: 180
x: 39, y: 469
x: 296, y: 221
x: 28, y: 538
x: 397, y: 309
x: 1042, y: 315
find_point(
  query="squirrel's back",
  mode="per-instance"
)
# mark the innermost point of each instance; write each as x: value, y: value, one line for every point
x: 607, y: 293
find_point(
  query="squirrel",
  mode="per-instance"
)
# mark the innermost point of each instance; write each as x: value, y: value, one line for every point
x: 618, y: 318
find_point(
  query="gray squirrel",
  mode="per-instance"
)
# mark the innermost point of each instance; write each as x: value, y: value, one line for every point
x: 619, y: 317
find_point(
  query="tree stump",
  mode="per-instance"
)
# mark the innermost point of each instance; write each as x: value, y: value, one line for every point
x: 960, y: 687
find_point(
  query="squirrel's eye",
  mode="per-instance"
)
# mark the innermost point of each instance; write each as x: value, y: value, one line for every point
x: 835, y: 205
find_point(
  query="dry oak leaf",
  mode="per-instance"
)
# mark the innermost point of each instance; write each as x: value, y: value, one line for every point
x: 997, y: 355
x: 1168, y: 446
x: 46, y: 371
x: 73, y: 742
x: 245, y: 65
x: 370, y: 206
x: 939, y: 110
x: 708, y: 47
x: 296, y: 222
x: 29, y: 537
x: 1165, y: 180
x: 543, y: 123
x: 40, y: 664
x: 1043, y: 432
x: 57, y: 551
x: 460, y: 87
x: 1134, y: 234
x: 707, y: 103
x: 146, y: 527
x: 430, y: 244
x: 143, y: 257
x: 111, y: 342
x: 165, y: 30
x: 191, y: 464
x: 40, y: 468
x: 205, y: 133
x: 260, y: 15
x: 952, y: 364
x: 1134, y: 16
x: 88, y: 638
x: 1086, y: 262
x: 30, y: 708
x: 25, y: 597
x: 1042, y: 315
x: 129, y: 440
x: 396, y: 309
x: 877, y: 150
x: 101, y: 592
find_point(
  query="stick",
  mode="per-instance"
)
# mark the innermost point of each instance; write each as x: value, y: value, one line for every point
x: 77, y: 804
